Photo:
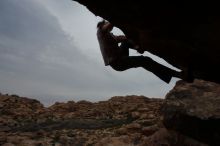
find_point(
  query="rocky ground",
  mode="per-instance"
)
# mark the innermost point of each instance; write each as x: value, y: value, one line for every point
x: 118, y: 121
x: 188, y: 116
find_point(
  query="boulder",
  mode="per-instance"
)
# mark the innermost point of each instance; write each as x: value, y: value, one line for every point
x: 193, y: 109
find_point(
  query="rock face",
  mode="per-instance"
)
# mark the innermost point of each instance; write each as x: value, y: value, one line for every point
x: 193, y: 110
x: 15, y: 110
x: 186, y: 36
x: 121, y: 120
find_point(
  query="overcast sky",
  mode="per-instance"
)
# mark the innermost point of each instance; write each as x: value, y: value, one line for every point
x: 49, y: 51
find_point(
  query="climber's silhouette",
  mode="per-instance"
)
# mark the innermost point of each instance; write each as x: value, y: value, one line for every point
x: 118, y: 56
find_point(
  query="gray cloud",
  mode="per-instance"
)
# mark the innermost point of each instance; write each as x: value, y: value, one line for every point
x: 33, y: 46
x: 39, y: 57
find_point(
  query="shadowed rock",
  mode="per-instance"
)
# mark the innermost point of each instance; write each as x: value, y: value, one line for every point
x: 193, y: 110
x: 185, y: 35
x: 71, y: 124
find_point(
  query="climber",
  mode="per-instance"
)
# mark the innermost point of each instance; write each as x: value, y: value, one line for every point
x: 118, y: 56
